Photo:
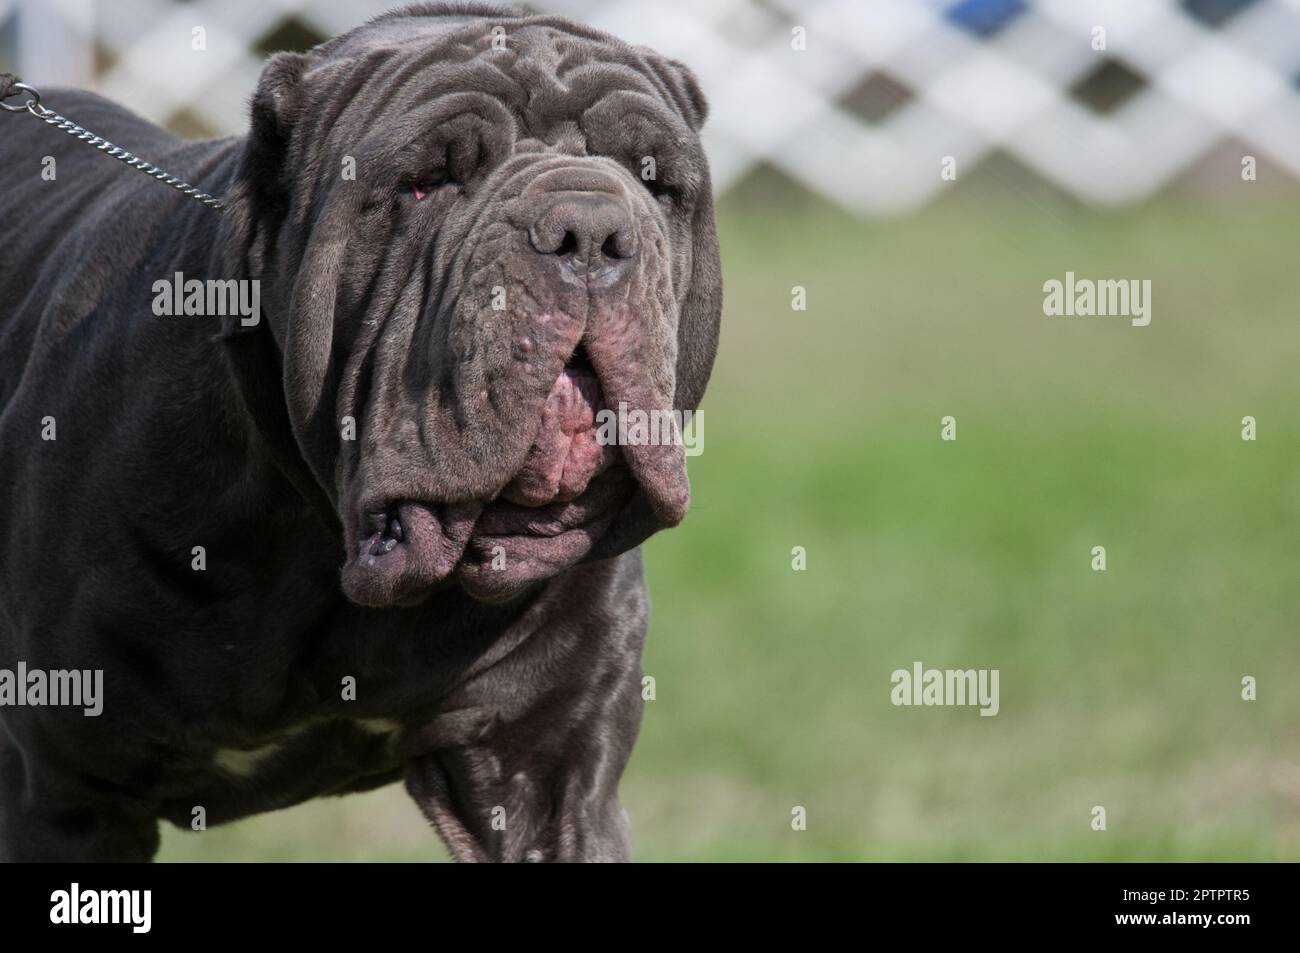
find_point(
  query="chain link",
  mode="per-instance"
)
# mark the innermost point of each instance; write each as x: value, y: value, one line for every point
x: 62, y: 123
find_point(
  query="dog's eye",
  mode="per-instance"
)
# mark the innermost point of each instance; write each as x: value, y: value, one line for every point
x: 652, y: 178
x: 422, y: 186
x: 663, y: 193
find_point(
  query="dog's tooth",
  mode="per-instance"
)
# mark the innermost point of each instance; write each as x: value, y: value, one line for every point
x: 389, y: 544
x: 395, y: 530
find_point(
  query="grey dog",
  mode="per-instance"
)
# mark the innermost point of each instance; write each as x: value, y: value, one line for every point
x: 366, y: 532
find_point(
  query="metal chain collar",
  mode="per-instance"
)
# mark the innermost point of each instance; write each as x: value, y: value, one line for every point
x: 33, y: 106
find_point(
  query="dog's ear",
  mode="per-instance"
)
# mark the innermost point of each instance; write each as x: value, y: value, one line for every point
x: 701, y: 308
x: 259, y: 200
x: 701, y: 314
x: 687, y: 92
x: 277, y: 107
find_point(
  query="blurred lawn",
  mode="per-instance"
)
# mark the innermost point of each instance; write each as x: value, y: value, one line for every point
x: 822, y: 430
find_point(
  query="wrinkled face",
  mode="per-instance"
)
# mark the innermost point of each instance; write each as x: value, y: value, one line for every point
x: 482, y: 241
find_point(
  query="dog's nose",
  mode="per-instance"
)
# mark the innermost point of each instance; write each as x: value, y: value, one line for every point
x: 589, y: 234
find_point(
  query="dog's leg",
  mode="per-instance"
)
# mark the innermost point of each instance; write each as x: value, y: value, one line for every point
x: 520, y: 769
x: 497, y: 802
x: 44, y: 820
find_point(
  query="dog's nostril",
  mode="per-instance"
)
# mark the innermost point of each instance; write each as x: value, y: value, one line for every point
x: 590, y: 231
x: 568, y: 244
x: 610, y: 248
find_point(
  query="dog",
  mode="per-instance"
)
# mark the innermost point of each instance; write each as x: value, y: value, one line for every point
x: 365, y: 531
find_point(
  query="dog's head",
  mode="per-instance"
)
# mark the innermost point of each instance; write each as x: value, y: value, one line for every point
x: 475, y: 231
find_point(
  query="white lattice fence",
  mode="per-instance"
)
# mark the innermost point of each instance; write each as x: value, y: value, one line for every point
x: 864, y: 114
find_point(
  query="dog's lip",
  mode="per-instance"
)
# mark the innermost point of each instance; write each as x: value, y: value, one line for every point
x: 504, y: 518
x: 383, y: 530
x: 436, y: 544
x: 384, y: 526
x: 387, y: 529
x: 565, y: 453
x: 402, y: 548
x: 535, y: 543
x: 565, y: 494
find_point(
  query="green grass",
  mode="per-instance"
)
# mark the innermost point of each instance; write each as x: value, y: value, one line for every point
x: 1119, y: 689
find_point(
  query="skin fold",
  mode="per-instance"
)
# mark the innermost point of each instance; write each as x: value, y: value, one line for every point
x: 419, y: 565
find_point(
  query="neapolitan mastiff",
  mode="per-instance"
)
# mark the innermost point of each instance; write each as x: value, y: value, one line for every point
x: 460, y: 262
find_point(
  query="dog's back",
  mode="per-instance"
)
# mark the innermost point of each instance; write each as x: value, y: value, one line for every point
x: 68, y: 211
